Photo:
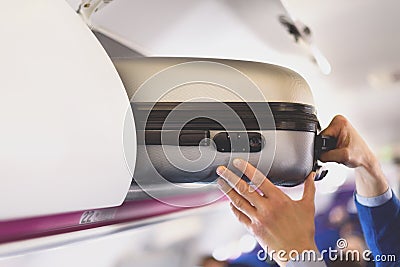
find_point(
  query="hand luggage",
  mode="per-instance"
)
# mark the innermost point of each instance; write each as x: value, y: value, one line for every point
x: 193, y: 115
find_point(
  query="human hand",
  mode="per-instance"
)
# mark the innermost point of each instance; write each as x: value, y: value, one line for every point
x: 279, y: 223
x: 352, y: 151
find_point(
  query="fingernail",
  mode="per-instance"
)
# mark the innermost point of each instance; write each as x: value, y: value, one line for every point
x: 220, y: 170
x: 237, y: 163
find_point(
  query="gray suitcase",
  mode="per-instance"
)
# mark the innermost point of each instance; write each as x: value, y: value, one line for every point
x: 193, y: 115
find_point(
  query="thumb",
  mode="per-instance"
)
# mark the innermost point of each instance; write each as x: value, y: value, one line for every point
x: 309, y: 188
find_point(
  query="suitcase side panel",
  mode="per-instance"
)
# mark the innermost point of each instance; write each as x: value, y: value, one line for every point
x: 287, y: 160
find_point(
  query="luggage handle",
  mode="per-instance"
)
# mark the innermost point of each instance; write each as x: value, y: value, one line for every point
x: 250, y: 142
x: 322, y: 144
x: 177, y: 138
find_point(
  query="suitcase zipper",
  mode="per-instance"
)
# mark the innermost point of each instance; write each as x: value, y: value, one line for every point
x: 286, y: 116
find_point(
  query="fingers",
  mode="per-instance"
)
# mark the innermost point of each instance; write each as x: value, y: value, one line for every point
x: 338, y: 128
x: 334, y: 128
x: 258, y: 179
x: 339, y: 155
x: 239, y: 185
x: 240, y: 216
x: 237, y: 200
x: 309, y: 188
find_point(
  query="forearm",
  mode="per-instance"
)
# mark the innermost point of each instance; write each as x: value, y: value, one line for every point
x: 370, y: 180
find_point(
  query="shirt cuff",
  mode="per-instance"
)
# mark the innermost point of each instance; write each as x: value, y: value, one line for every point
x: 375, y: 201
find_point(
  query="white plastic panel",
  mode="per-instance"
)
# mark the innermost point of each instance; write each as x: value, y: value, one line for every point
x: 63, y: 115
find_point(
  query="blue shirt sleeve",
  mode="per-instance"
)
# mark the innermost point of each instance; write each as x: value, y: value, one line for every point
x: 381, y: 227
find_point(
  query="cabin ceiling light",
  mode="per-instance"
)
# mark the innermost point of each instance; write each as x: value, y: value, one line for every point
x: 388, y: 78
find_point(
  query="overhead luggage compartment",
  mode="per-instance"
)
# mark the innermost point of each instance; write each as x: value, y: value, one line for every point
x: 64, y: 114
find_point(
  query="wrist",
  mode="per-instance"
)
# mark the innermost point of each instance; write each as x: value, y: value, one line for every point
x: 370, y: 180
x: 371, y: 165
